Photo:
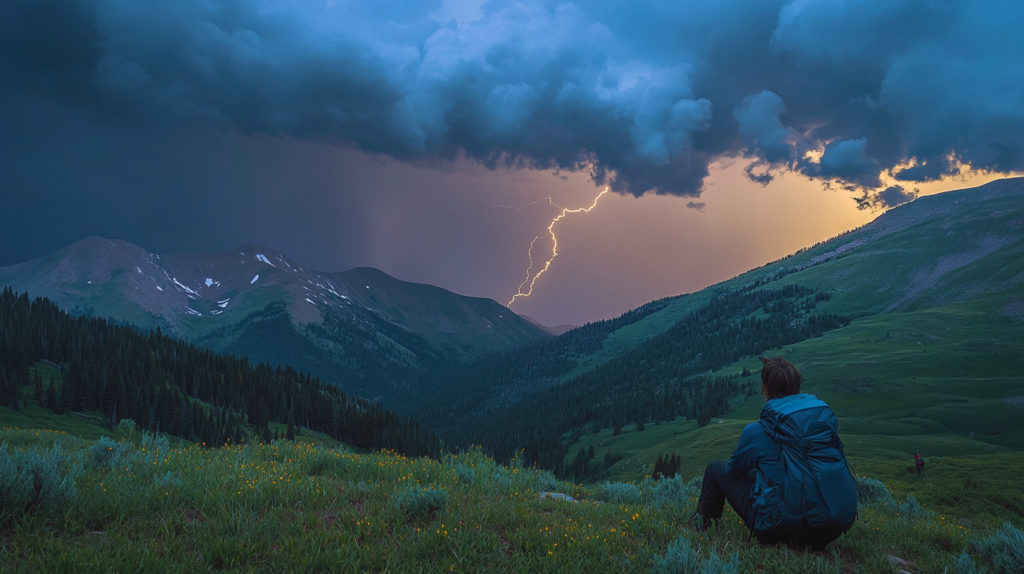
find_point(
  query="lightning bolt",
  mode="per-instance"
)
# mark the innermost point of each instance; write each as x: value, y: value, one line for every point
x: 554, y: 246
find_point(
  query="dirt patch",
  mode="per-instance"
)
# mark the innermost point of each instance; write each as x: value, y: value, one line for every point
x: 359, y: 506
x: 1014, y: 402
x: 192, y: 516
x: 504, y: 544
x: 854, y: 386
x: 837, y: 252
x: 924, y: 280
x: 1014, y: 310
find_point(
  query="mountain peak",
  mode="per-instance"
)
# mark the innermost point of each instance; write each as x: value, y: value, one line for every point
x: 255, y: 301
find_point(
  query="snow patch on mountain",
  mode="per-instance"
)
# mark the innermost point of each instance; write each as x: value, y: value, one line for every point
x: 223, y: 303
x: 264, y: 259
x: 254, y: 279
x: 310, y: 300
x: 210, y: 282
x: 187, y: 290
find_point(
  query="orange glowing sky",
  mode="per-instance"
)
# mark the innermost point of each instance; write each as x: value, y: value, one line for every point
x: 625, y: 252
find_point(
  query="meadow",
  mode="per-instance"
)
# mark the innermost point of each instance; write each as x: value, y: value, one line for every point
x: 943, y: 379
x: 933, y: 381
x: 137, y: 504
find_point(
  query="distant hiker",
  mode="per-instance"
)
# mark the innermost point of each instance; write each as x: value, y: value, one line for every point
x: 788, y: 478
x: 919, y: 461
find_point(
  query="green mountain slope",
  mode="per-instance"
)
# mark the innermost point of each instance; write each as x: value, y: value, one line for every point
x: 360, y: 329
x: 954, y: 260
x: 109, y: 373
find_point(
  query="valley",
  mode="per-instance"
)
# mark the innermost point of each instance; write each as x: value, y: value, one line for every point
x: 363, y: 330
x: 932, y: 290
x: 911, y: 328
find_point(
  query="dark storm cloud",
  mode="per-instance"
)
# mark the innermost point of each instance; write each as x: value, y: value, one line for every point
x: 846, y: 160
x: 644, y: 96
x: 889, y: 197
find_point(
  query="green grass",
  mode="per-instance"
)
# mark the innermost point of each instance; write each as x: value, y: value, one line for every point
x: 296, y: 507
x: 306, y: 436
x: 301, y: 507
x: 943, y: 397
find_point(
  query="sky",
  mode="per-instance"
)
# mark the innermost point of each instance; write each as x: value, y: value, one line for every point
x: 436, y: 140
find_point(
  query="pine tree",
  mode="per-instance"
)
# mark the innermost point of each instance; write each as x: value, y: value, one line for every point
x: 291, y: 426
x: 37, y: 388
x: 50, y: 398
x: 15, y: 391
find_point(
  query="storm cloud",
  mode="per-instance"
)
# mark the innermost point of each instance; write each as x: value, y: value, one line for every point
x: 643, y: 97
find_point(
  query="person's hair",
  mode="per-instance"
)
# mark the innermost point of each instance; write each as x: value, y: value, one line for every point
x: 779, y: 378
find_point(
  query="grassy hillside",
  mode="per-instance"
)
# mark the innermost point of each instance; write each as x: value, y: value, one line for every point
x: 944, y: 271
x: 939, y: 381
x: 952, y: 247
x: 143, y: 506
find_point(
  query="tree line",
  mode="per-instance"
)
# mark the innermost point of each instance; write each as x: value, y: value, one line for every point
x: 665, y: 377
x: 172, y: 386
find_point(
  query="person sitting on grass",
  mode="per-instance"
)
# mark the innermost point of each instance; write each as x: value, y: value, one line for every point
x: 788, y: 479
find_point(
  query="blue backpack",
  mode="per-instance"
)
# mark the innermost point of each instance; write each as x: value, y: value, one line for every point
x: 817, y: 500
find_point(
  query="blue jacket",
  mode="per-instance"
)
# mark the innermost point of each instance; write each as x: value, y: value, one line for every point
x: 757, y: 450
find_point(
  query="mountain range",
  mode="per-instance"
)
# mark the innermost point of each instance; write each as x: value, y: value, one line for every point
x: 957, y: 255
x: 461, y: 364
x: 361, y: 329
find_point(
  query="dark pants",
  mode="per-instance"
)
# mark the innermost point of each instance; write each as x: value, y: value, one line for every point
x: 717, y: 489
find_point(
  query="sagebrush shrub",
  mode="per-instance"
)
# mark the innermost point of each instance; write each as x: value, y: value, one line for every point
x: 35, y: 480
x: 169, y: 480
x: 126, y: 426
x: 363, y: 487
x: 499, y: 484
x: 681, y: 558
x: 871, y: 491
x: 154, y: 442
x: 621, y: 493
x: 418, y: 502
x: 909, y: 508
x: 544, y: 481
x: 109, y: 453
x: 464, y: 474
x: 1004, y: 548
x: 673, y: 491
x: 963, y: 564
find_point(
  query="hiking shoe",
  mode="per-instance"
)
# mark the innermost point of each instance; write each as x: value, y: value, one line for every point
x: 698, y: 522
